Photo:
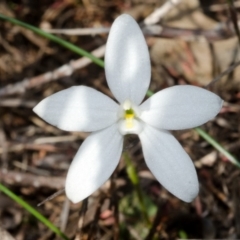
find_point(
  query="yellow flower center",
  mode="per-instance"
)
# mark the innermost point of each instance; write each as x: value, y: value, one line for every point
x: 129, y: 122
x: 129, y: 116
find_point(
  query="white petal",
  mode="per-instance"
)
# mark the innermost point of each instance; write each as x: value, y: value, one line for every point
x: 169, y: 163
x: 94, y: 162
x: 127, y: 62
x: 78, y: 109
x: 130, y: 126
x: 180, y: 107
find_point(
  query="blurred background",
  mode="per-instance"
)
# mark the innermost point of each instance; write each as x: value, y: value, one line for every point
x: 190, y: 42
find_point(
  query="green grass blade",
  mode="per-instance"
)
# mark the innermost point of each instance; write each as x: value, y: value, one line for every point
x: 33, y: 211
x: 217, y: 146
x: 55, y: 39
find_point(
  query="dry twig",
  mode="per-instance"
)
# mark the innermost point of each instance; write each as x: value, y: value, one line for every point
x: 63, y: 71
x: 79, y: 31
x: 156, y: 16
x: 27, y: 179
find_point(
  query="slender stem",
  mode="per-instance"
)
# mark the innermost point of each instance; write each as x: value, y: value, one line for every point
x: 33, y: 211
x: 149, y: 93
x: 133, y: 176
x: 55, y: 39
x: 217, y: 146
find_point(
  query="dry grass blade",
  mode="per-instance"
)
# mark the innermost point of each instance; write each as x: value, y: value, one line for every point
x: 234, y: 17
x: 51, y: 197
x: 226, y: 72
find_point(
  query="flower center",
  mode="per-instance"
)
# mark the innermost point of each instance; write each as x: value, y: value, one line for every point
x: 129, y: 121
x: 129, y: 116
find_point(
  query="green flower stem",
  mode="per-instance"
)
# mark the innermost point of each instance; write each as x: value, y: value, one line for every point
x: 33, y: 211
x: 217, y: 146
x: 149, y: 93
x: 133, y: 176
x: 55, y: 39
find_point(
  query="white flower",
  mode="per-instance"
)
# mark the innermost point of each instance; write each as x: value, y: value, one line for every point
x: 128, y: 73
